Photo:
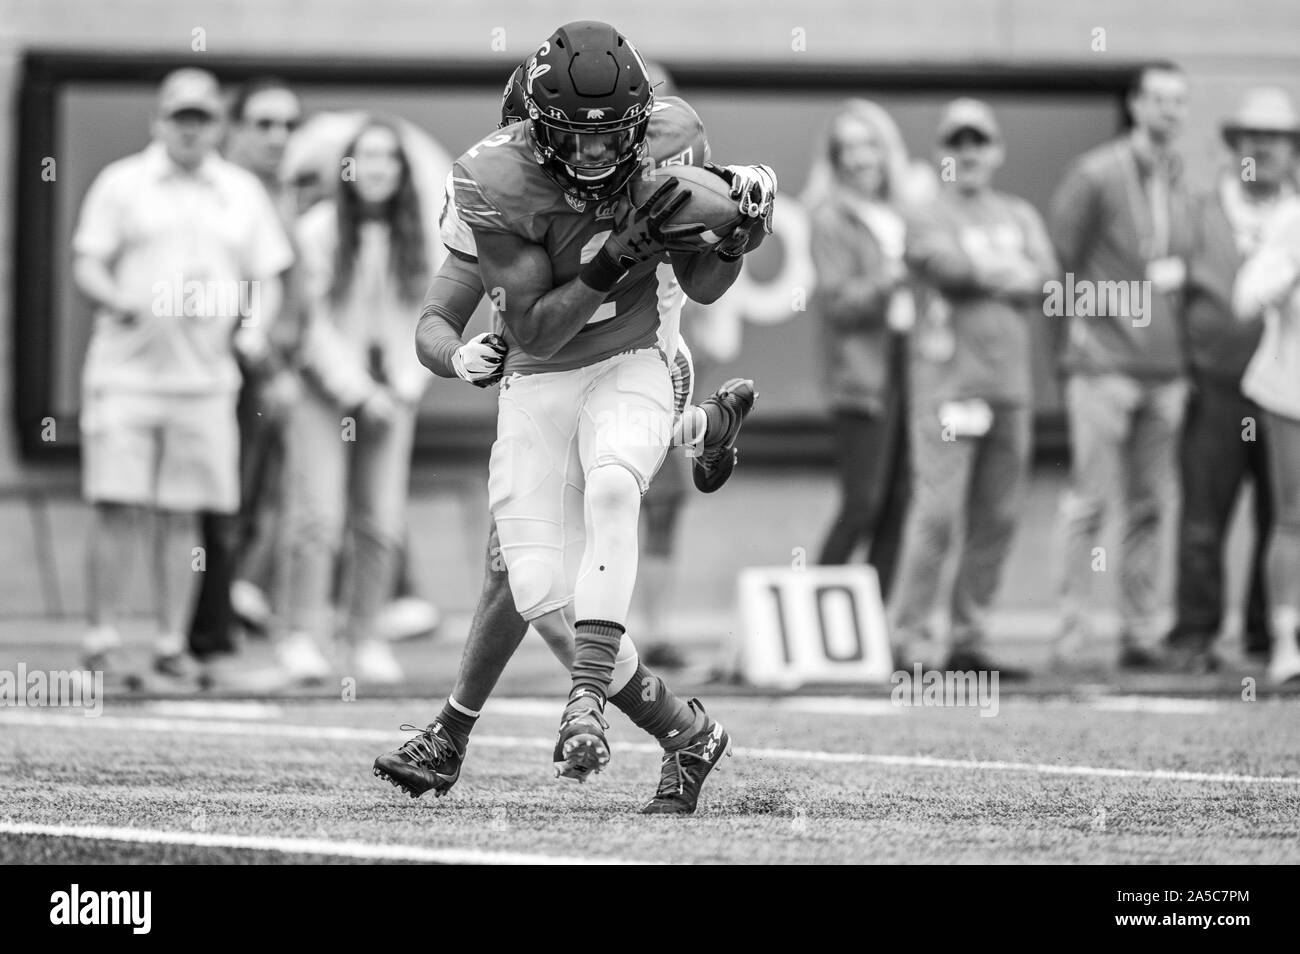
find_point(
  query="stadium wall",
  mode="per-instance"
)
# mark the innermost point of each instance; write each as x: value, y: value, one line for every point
x: 1225, y: 49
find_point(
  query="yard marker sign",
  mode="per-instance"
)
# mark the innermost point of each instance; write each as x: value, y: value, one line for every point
x: 803, y: 626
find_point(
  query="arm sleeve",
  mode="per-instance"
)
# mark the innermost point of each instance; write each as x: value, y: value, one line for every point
x: 936, y: 256
x: 1038, y: 244
x: 1073, y: 216
x: 1271, y: 274
x: 448, y: 306
x: 99, y: 232
x: 324, y: 355
x: 847, y: 299
x: 474, y: 205
x: 268, y: 251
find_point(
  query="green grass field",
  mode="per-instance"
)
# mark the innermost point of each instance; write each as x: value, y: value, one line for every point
x: 1109, y: 780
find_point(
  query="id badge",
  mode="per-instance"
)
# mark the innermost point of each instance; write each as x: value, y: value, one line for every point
x: 969, y: 418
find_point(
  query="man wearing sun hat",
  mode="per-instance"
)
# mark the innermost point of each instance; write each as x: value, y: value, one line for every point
x: 180, y: 252
x: 1223, y: 445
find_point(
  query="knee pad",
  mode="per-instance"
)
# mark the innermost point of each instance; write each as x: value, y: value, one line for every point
x: 536, y: 587
x: 613, y: 488
x: 625, y: 665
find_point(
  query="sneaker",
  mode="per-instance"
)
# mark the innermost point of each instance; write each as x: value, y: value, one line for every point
x: 250, y: 604
x: 430, y: 760
x: 302, y: 659
x: 407, y: 617
x: 716, y: 458
x: 374, y: 662
x: 1191, y: 657
x: 683, y: 771
x: 1136, y: 658
x: 1284, y: 662
x: 582, y: 748
x: 100, y: 648
x: 974, y: 660
x: 227, y: 672
x: 179, y: 666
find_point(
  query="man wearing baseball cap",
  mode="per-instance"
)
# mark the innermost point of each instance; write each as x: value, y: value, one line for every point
x: 1225, y: 226
x: 180, y: 251
x: 981, y: 258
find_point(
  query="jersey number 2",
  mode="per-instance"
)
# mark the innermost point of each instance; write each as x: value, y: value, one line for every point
x: 605, y: 311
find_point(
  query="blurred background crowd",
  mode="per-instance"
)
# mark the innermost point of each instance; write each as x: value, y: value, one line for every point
x: 249, y: 404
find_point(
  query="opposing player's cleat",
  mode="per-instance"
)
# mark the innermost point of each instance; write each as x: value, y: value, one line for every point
x: 581, y: 748
x: 717, y: 457
x: 429, y: 760
x: 682, y: 772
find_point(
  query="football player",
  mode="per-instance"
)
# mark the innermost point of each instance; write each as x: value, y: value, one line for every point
x: 692, y: 742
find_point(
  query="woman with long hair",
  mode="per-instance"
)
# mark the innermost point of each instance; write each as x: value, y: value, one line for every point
x: 859, y: 177
x: 365, y: 269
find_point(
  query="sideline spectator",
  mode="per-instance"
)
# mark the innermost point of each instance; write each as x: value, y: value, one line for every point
x: 180, y: 251
x: 242, y: 551
x: 857, y: 248
x: 983, y: 257
x: 1269, y: 285
x: 1223, y: 441
x: 365, y: 271
x: 1118, y: 218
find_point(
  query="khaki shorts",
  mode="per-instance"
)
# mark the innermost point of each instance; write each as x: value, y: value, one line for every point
x: 174, y: 452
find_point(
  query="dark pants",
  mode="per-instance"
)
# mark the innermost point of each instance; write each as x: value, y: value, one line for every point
x: 213, y: 628
x: 871, y: 450
x: 1216, y: 458
x: 228, y: 538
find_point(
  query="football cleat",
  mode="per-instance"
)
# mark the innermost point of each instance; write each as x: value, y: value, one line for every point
x: 683, y: 771
x: 430, y: 760
x: 716, y: 458
x: 581, y: 748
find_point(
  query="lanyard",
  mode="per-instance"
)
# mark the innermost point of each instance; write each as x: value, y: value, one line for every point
x: 1150, y: 213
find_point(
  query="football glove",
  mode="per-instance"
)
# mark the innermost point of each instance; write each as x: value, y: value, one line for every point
x: 754, y: 189
x: 645, y: 233
x: 481, y: 360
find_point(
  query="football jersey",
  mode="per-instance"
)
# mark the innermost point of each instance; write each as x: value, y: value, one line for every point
x: 498, y: 186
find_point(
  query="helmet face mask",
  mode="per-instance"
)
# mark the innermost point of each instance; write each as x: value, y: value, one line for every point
x: 589, y: 101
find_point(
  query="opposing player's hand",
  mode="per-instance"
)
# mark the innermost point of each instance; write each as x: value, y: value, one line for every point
x: 754, y: 189
x: 646, y: 232
x: 481, y: 360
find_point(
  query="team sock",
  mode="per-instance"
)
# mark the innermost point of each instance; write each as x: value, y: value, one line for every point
x: 458, y: 721
x: 595, y: 649
x: 652, y: 706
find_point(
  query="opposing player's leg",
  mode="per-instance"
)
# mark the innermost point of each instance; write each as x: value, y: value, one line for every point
x: 432, y: 759
x: 722, y: 413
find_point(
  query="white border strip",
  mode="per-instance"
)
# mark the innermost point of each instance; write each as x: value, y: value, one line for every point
x: 301, y: 846
x: 45, y: 719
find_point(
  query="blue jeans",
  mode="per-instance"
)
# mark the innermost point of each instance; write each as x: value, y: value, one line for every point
x: 1124, y: 435
x: 974, y: 483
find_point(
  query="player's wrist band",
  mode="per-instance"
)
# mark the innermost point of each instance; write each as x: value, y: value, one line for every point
x: 602, y: 272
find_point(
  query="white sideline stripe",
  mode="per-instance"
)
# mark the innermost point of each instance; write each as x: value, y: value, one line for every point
x: 301, y: 846
x: 349, y: 734
x: 214, y: 709
x: 1158, y: 705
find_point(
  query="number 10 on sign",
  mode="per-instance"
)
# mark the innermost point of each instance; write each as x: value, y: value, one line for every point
x: 813, y: 625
